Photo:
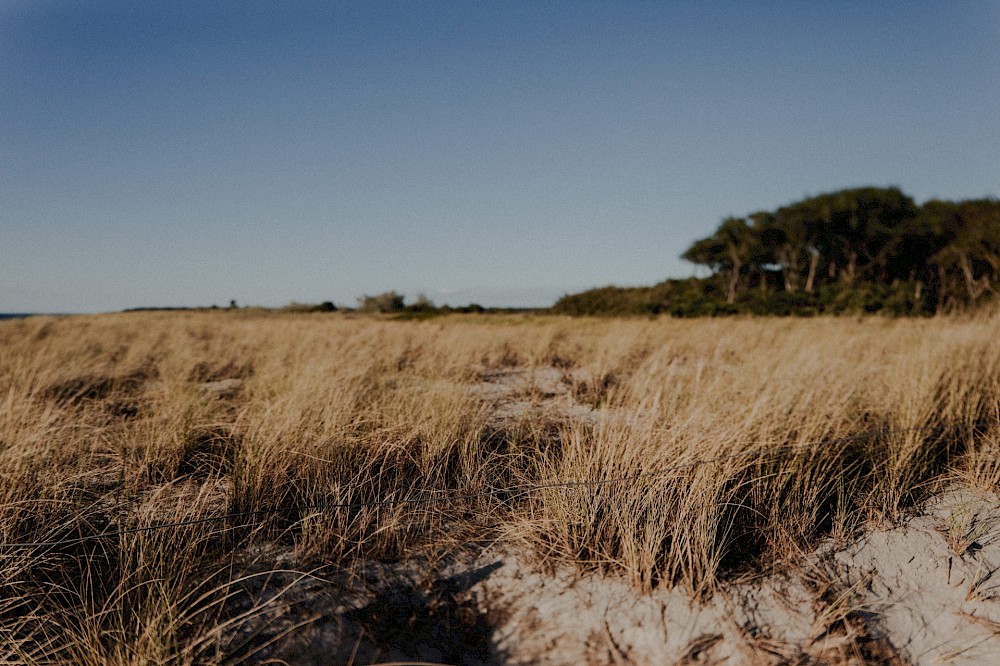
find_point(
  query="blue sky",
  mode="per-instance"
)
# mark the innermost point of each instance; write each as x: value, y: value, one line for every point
x: 188, y: 153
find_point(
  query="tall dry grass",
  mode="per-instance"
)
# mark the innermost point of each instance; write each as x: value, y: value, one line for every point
x: 713, y: 448
x: 814, y: 427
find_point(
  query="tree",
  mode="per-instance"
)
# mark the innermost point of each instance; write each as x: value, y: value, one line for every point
x: 784, y: 243
x: 853, y: 232
x: 729, y: 251
x: 389, y: 301
x: 860, y: 246
x: 422, y: 303
x: 969, y: 259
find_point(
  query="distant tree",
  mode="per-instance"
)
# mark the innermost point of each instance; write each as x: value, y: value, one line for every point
x: 784, y: 241
x: 968, y: 263
x: 857, y: 231
x: 422, y: 303
x: 389, y: 301
x: 869, y: 249
x: 294, y: 306
x: 730, y: 250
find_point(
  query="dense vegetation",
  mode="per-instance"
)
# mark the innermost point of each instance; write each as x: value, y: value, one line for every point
x: 865, y: 249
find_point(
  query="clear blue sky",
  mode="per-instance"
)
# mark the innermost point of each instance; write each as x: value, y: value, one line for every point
x: 192, y: 152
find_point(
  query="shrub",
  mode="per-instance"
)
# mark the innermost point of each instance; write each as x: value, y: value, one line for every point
x: 325, y: 306
x: 390, y: 301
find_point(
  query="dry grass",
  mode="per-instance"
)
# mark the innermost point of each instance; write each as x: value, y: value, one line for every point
x: 813, y: 427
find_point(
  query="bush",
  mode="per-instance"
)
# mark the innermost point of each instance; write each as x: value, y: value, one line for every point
x: 390, y: 301
x: 705, y: 298
x: 325, y: 306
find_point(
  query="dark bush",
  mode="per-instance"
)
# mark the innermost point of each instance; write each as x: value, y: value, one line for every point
x: 389, y: 301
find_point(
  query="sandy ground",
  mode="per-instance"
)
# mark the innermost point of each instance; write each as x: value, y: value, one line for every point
x: 920, y: 593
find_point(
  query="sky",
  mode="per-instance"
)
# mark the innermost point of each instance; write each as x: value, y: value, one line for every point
x: 184, y: 153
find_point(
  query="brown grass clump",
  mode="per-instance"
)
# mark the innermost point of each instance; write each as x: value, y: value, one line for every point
x: 675, y: 452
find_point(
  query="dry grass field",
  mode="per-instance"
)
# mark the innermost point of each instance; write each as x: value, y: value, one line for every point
x: 266, y: 451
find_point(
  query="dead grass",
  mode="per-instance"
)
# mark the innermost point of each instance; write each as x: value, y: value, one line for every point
x: 716, y: 447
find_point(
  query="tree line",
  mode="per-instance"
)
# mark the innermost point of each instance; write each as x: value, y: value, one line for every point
x: 868, y: 249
